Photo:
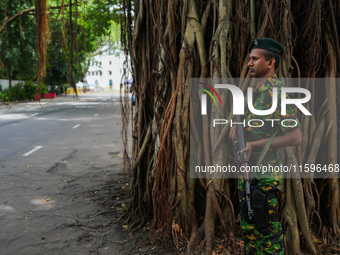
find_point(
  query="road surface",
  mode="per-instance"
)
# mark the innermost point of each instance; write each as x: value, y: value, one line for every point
x: 56, y: 159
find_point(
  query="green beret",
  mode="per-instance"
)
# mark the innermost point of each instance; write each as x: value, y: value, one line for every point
x: 267, y: 44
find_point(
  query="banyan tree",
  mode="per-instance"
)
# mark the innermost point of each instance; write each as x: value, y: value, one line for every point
x: 170, y: 42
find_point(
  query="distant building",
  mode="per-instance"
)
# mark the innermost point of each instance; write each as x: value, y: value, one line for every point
x: 105, y: 71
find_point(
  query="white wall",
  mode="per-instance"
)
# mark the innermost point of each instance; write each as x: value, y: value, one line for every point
x: 5, y: 83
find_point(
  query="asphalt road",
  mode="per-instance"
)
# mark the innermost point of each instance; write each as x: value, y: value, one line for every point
x: 24, y: 126
x: 54, y: 158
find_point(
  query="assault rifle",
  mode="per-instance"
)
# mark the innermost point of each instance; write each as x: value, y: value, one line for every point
x: 240, y: 145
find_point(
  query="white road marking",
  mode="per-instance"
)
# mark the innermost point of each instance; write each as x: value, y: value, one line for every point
x: 76, y: 126
x: 96, y: 115
x: 31, y: 151
x: 34, y: 114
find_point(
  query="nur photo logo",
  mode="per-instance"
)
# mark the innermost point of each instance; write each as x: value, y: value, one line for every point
x: 204, y: 97
x: 240, y: 101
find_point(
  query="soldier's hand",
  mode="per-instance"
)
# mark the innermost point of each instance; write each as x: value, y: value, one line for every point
x: 233, y: 133
x: 248, y: 149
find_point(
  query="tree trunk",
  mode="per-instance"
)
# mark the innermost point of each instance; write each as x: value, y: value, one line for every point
x: 174, y: 41
x: 9, y: 73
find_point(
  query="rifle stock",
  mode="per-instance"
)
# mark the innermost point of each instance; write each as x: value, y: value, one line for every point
x: 240, y: 145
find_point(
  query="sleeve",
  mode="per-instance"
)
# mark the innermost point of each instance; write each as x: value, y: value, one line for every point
x: 288, y: 121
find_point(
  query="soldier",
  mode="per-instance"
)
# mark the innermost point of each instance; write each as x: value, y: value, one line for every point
x: 264, y: 234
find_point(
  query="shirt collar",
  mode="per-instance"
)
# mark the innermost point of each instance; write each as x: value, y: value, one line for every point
x: 268, y: 83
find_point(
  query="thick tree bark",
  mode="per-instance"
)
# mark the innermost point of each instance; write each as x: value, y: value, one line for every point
x: 331, y: 121
x: 178, y: 40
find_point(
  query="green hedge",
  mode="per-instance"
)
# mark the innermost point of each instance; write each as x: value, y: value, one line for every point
x: 18, y: 92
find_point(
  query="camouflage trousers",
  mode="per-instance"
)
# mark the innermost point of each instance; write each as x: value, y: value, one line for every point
x: 263, y: 235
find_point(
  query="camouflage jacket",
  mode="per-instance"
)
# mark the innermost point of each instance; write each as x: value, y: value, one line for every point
x: 262, y: 100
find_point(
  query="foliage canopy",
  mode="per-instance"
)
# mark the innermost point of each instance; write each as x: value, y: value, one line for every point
x: 92, y: 24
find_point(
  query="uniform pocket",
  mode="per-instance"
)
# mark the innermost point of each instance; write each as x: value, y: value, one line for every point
x: 260, y: 207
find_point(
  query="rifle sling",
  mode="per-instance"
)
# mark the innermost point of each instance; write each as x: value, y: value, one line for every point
x: 266, y: 148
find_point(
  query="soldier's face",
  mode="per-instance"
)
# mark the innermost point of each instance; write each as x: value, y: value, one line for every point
x: 258, y: 66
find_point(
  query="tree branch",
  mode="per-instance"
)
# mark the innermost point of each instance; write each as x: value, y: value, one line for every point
x: 7, y: 20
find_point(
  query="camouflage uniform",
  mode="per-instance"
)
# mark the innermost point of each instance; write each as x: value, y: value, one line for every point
x: 265, y: 235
